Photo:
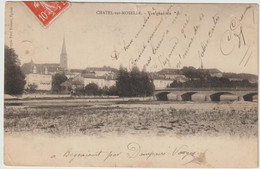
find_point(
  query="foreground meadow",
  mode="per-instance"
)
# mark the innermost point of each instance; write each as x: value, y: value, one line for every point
x: 134, y: 118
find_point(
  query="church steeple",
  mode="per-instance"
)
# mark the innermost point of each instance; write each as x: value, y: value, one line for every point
x: 201, y: 64
x: 63, y: 56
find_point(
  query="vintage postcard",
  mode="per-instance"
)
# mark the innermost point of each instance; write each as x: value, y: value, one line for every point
x: 158, y: 85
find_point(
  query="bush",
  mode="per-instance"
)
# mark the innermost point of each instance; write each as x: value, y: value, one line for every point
x: 79, y: 91
x: 108, y: 91
x: 112, y: 91
x: 32, y: 88
x: 92, y: 89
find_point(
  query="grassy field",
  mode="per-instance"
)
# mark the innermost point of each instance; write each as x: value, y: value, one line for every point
x: 134, y: 118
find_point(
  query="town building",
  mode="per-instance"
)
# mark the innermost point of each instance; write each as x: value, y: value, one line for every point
x: 172, y: 74
x: 41, y: 74
x: 104, y: 71
x: 101, y: 81
x: 169, y: 71
x: 163, y: 78
x: 71, y: 85
x: 42, y: 81
x: 101, y: 76
x: 161, y: 83
x: 214, y: 72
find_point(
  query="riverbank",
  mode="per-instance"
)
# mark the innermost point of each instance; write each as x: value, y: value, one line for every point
x: 136, y: 118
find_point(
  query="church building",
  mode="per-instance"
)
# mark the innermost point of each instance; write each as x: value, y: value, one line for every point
x: 41, y: 74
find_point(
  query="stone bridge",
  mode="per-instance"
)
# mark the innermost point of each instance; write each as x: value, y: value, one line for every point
x: 183, y: 94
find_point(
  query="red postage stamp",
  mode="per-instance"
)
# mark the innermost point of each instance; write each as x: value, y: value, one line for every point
x: 46, y: 11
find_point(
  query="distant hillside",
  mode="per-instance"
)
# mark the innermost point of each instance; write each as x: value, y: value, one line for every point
x: 240, y: 76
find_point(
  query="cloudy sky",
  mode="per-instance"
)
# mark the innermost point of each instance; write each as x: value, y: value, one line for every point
x: 217, y: 36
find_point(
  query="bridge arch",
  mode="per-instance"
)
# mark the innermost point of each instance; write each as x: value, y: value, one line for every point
x: 162, y: 95
x: 216, y: 96
x: 249, y: 96
x: 187, y: 96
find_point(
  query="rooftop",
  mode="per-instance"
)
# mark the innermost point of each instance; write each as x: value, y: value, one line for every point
x: 169, y: 71
x: 213, y: 70
x: 40, y: 68
x: 104, y: 68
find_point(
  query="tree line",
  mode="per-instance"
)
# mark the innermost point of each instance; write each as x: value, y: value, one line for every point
x: 134, y: 83
x: 93, y: 89
x: 200, y: 78
x: 14, y: 78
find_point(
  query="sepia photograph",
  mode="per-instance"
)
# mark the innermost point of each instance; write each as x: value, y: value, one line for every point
x: 148, y: 85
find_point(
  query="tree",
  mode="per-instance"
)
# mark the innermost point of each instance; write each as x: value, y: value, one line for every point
x: 108, y: 91
x: 57, y: 80
x: 92, y: 89
x: 32, y: 87
x: 79, y: 91
x: 122, y: 83
x: 14, y: 79
x: 103, y: 91
x: 112, y: 91
x: 147, y: 87
x: 189, y: 72
x: 134, y: 83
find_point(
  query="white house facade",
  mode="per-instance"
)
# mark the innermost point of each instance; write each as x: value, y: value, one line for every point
x: 162, y: 83
x: 43, y: 81
x: 101, y: 82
